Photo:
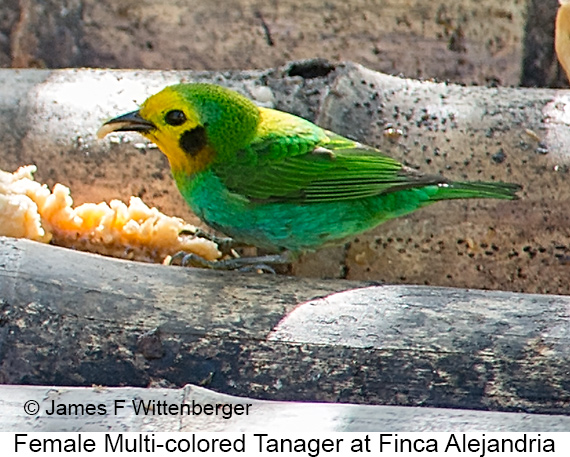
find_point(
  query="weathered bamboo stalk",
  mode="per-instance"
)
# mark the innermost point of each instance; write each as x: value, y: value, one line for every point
x: 71, y: 318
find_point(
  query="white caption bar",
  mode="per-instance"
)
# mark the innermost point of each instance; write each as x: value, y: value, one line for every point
x: 299, y: 444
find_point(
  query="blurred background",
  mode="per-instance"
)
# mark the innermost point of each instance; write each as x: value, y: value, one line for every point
x: 508, y: 43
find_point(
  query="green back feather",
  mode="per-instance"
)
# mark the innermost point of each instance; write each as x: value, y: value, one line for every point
x: 312, y: 165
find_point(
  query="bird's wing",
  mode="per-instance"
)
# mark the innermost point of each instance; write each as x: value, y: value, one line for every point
x: 307, y: 169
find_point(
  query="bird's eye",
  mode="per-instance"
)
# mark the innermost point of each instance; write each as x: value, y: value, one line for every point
x: 175, y: 117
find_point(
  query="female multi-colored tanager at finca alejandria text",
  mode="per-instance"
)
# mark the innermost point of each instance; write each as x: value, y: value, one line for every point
x: 276, y: 181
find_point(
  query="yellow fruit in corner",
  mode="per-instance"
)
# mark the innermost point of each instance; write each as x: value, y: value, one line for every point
x: 562, y: 36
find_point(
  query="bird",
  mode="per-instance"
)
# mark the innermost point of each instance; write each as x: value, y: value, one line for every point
x: 276, y: 181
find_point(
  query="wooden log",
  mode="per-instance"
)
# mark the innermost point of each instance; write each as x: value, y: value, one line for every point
x: 71, y: 318
x: 262, y: 416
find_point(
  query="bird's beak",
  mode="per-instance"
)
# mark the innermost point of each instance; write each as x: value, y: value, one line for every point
x: 130, y: 122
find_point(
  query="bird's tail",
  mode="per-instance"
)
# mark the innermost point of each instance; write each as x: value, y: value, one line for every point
x: 476, y: 189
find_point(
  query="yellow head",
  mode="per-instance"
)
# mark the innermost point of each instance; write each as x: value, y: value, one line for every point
x: 194, y: 125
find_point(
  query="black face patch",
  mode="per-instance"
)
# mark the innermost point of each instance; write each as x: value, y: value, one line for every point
x: 193, y: 141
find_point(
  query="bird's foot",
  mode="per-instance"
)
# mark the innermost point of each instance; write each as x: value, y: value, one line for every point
x: 225, y: 244
x: 245, y: 264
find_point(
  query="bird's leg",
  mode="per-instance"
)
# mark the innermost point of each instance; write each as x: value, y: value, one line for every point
x: 225, y: 244
x: 239, y: 263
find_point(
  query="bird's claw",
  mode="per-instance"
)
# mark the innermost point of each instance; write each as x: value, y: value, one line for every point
x: 244, y: 264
